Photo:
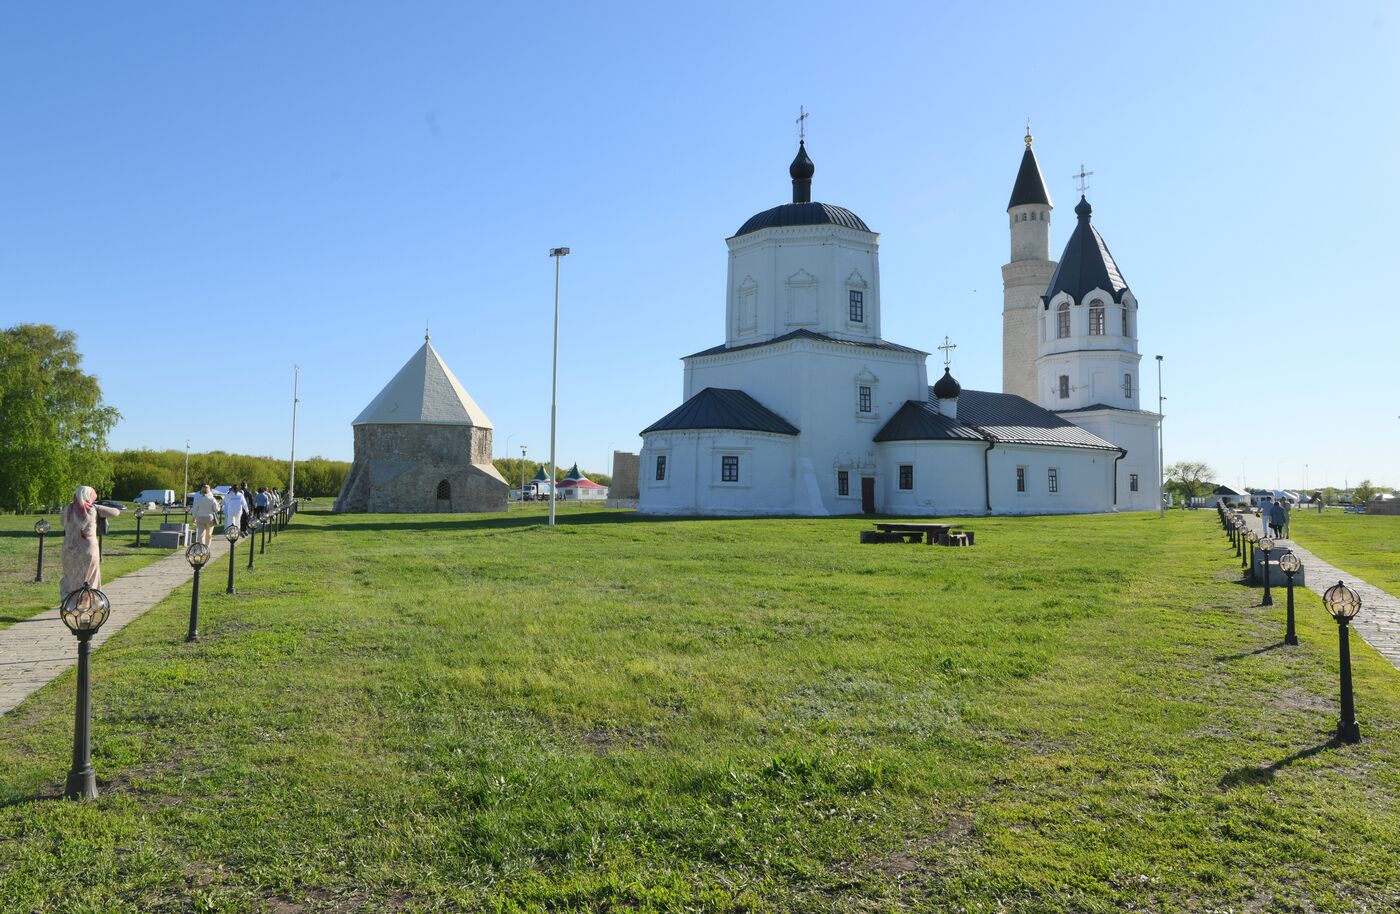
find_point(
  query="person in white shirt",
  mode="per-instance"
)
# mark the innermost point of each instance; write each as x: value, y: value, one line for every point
x: 234, y: 508
x: 205, y: 510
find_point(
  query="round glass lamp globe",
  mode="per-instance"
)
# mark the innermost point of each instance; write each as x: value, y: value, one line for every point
x: 1266, y: 544
x: 41, y: 527
x: 1289, y: 563
x: 197, y: 555
x: 1341, y: 601
x: 231, y: 534
x: 85, y: 609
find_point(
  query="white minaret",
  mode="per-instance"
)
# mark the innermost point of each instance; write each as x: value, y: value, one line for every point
x: 1025, y: 278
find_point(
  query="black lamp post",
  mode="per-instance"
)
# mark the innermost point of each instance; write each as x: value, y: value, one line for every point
x: 197, y: 555
x: 140, y: 513
x: 252, y: 539
x: 41, y: 527
x: 1266, y: 545
x: 231, y: 534
x: 262, y: 546
x: 1239, y: 541
x: 1343, y: 603
x: 83, y: 611
x: 1290, y: 565
x: 1251, y: 538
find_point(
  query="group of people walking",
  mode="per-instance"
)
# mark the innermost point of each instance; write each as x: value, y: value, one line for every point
x: 1273, y: 517
x: 240, y: 505
x: 83, y: 520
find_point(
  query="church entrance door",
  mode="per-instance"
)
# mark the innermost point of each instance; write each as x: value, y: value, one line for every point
x: 867, y: 494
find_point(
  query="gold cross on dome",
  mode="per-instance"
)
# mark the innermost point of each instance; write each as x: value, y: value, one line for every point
x: 802, y: 115
x: 947, y: 347
x: 1083, y: 184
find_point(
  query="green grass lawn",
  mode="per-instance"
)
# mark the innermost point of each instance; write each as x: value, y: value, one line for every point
x: 21, y: 597
x: 1366, y: 545
x: 444, y: 713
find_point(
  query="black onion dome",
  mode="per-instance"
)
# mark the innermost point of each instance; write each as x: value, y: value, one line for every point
x: 802, y: 167
x: 1082, y: 209
x: 947, y: 387
x: 790, y: 214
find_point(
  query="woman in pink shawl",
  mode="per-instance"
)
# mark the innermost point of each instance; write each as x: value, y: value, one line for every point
x: 81, y: 561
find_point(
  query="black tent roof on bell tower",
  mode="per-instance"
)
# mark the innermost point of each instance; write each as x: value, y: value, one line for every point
x: 1030, y: 186
x: 1086, y: 264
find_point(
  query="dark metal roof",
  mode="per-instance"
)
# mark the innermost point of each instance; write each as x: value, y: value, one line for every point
x: 1086, y: 264
x: 915, y: 421
x: 1016, y: 420
x: 789, y: 214
x: 718, y: 407
x: 807, y: 335
x: 986, y: 416
x: 1030, y: 186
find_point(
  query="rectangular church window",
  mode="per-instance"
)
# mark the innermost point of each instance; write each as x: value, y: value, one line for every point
x: 857, y: 307
x: 1053, y: 478
x: 1020, y: 479
x: 906, y: 476
x: 660, y: 467
x: 865, y: 399
x: 729, y: 469
x: 1125, y: 320
x: 1064, y: 387
x: 1128, y: 385
x: 1096, y: 322
x: 843, y: 482
x: 1132, y: 482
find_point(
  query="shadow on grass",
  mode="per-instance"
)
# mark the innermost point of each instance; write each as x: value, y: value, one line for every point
x: 1258, y: 650
x: 1253, y: 775
x: 32, y: 798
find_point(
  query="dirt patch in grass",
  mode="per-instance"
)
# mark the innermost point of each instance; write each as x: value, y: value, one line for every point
x: 607, y: 740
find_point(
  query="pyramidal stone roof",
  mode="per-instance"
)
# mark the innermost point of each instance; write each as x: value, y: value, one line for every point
x: 424, y: 392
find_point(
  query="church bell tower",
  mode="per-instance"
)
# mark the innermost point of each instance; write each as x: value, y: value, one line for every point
x: 1025, y: 278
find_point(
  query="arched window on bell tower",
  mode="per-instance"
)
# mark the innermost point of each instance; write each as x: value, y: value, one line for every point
x: 1062, y: 321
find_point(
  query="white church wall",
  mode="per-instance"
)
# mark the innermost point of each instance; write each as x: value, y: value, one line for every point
x: 947, y: 478
x: 1084, y: 479
x: 695, y: 481
x: 781, y: 280
x: 1135, y: 432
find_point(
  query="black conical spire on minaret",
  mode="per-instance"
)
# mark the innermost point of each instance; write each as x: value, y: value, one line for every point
x: 802, y: 170
x: 1030, y: 186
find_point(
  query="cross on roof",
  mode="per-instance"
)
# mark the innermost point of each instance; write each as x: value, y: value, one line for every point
x: 802, y: 115
x: 947, y: 347
x: 1083, y: 184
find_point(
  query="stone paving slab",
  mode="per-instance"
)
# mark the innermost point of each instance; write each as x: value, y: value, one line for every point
x: 1378, y: 623
x: 37, y: 650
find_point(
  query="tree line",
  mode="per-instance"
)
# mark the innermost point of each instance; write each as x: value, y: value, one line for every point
x: 135, y: 470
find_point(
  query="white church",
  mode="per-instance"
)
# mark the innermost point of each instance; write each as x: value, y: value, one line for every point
x: 806, y: 409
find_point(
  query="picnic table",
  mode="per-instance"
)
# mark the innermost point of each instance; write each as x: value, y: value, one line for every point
x: 916, y: 532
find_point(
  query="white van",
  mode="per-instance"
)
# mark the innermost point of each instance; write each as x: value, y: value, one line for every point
x: 158, y: 496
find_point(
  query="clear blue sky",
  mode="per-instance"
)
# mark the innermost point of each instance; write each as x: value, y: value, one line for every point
x: 208, y: 193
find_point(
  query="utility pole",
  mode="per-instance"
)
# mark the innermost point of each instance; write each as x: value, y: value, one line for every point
x: 558, y: 254
x: 1161, y: 465
x: 296, y: 389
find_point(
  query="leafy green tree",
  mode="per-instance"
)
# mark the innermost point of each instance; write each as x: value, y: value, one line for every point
x: 1190, y: 479
x: 1363, y: 492
x: 54, y: 421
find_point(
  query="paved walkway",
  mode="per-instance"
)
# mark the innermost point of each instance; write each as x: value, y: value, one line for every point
x: 37, y: 650
x: 1378, y: 623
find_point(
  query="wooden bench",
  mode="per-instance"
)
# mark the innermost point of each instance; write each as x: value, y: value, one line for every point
x: 916, y: 532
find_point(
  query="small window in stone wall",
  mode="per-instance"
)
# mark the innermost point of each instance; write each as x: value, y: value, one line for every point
x: 1132, y: 482
x: 444, y: 490
x: 728, y: 469
x: 843, y: 482
x: 660, y: 467
x: 906, y: 476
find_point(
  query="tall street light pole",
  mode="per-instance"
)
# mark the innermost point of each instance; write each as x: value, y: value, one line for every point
x: 522, y: 473
x: 185, y: 492
x: 1161, y: 465
x: 296, y: 389
x: 557, y: 254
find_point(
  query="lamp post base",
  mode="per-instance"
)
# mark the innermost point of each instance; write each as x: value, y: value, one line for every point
x: 1349, y: 732
x: 82, y: 785
x: 1290, y: 639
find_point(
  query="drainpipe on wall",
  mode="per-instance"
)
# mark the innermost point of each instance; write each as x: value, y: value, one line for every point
x: 1121, y: 454
x: 987, y: 474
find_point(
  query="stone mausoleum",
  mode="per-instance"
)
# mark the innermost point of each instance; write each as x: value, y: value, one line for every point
x: 422, y: 446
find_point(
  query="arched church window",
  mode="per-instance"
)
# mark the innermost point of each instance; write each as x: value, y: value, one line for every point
x: 444, y: 490
x: 1128, y: 385
x: 1125, y: 320
x: 1062, y: 321
x: 1096, y: 320
x: 1064, y: 387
